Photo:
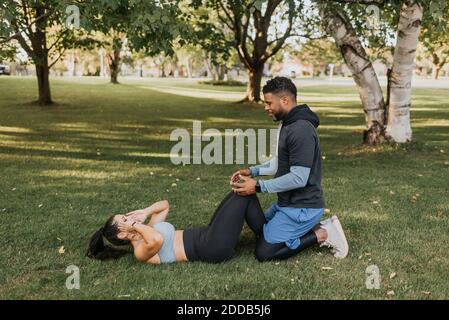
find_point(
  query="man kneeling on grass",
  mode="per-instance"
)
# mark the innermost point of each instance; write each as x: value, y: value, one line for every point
x: 293, y: 223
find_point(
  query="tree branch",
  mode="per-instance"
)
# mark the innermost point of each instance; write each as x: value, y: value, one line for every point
x: 225, y: 11
x: 57, y: 39
x: 223, y: 20
x: 281, y: 40
x: 57, y: 59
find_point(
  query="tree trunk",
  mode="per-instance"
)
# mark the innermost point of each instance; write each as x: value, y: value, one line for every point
x: 436, y: 71
x: 254, y: 84
x: 102, y: 68
x: 42, y: 73
x: 209, y: 67
x: 338, y: 26
x: 114, y: 60
x: 221, y: 72
x: 398, y: 128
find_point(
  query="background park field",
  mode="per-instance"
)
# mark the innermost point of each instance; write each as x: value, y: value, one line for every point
x: 103, y: 149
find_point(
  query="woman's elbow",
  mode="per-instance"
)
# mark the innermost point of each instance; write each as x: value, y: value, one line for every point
x: 157, y: 240
x: 165, y: 204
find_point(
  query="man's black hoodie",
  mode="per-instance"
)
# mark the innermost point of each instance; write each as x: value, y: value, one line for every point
x: 301, y: 112
x: 299, y: 145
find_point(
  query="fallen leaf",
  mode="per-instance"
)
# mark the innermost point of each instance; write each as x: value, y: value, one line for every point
x: 61, y: 250
x: 177, y: 179
x: 151, y: 173
x: 13, y: 189
x: 170, y: 175
x: 327, y: 211
x: 367, y: 253
x: 390, y: 293
x: 41, y: 205
x: 198, y: 179
x: 427, y: 293
x: 273, y: 296
x: 392, y: 192
x: 173, y: 184
x: 326, y: 268
x: 375, y: 202
x: 323, y: 157
x: 392, y: 275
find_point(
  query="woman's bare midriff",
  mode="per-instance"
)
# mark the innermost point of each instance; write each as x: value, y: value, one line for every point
x: 178, y: 245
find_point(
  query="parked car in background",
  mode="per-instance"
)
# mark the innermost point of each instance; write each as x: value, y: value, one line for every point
x: 4, y: 69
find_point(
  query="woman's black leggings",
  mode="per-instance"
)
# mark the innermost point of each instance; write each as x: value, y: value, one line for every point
x: 216, y: 242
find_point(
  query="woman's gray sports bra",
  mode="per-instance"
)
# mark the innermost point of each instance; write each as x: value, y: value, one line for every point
x: 167, y: 251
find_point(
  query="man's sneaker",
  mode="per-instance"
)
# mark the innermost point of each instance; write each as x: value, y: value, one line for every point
x: 336, y: 238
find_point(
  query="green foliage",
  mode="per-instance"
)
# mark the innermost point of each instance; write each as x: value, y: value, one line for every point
x: 435, y: 31
x: 147, y: 25
x: 17, y: 22
x: 319, y: 53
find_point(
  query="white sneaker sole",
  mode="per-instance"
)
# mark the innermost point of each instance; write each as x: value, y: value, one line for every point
x: 337, y: 224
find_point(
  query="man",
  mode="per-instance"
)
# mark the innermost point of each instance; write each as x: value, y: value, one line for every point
x: 293, y: 223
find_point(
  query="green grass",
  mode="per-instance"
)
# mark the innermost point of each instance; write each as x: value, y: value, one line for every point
x: 66, y: 168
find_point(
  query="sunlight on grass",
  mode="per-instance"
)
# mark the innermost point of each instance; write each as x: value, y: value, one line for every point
x: 149, y: 154
x: 338, y: 110
x: 15, y: 129
x: 83, y: 174
x: 342, y: 127
x: 198, y: 93
x: 423, y: 123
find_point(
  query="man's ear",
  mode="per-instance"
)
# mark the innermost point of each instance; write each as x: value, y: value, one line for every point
x: 285, y: 100
x: 121, y: 235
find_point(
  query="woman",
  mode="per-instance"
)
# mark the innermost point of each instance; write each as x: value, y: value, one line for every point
x: 158, y: 241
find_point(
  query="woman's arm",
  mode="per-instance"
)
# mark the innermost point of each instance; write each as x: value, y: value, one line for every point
x: 151, y: 244
x: 158, y: 212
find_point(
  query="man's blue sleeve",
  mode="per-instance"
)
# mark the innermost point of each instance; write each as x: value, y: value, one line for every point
x: 296, y: 178
x: 265, y: 169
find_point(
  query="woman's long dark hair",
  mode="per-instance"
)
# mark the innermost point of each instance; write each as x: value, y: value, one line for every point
x: 99, y: 250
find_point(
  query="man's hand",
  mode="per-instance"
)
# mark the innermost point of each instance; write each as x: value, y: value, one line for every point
x: 242, y: 172
x: 246, y: 188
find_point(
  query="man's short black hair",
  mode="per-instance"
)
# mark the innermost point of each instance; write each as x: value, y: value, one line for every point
x: 280, y: 84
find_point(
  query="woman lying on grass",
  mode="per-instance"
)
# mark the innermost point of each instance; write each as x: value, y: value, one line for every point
x: 158, y: 241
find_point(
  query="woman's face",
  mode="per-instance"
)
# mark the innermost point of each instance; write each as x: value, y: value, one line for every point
x: 132, y: 236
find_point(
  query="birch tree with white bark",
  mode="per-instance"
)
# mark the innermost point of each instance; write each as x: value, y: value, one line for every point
x: 385, y: 120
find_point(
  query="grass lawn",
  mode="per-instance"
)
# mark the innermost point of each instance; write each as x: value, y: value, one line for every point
x: 105, y: 149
